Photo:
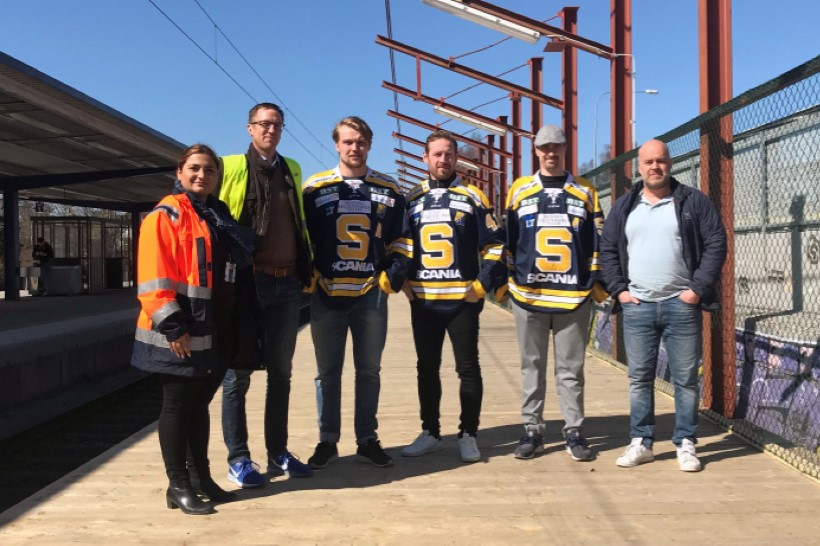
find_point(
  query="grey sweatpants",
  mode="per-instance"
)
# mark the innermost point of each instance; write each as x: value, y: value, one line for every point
x: 570, y: 332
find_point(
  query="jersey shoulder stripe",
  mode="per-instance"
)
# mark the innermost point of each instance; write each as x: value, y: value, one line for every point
x: 320, y: 179
x: 521, y: 189
x: 381, y: 179
x: 473, y: 193
x: 416, y: 192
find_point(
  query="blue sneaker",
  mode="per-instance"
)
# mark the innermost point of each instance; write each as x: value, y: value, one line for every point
x: 245, y: 474
x: 288, y: 464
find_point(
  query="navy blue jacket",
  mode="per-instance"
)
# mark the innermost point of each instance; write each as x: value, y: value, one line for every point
x: 702, y: 234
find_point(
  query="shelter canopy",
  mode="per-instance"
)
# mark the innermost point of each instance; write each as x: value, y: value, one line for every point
x: 60, y: 145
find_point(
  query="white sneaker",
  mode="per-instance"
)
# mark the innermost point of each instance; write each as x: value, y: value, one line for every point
x: 687, y: 459
x: 635, y: 454
x: 468, y: 449
x: 425, y: 443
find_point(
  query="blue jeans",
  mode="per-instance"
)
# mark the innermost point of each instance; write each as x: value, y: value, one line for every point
x: 678, y: 325
x: 366, y: 318
x: 279, y: 301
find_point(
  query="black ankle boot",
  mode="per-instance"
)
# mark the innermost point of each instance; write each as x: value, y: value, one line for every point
x: 184, y: 498
x: 205, y: 485
x: 209, y: 488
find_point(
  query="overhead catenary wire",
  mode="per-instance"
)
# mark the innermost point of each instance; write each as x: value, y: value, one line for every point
x: 265, y: 83
x: 479, y: 50
x: 393, y: 68
x: 234, y: 80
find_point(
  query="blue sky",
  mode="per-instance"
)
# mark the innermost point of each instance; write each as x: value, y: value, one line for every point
x: 321, y: 60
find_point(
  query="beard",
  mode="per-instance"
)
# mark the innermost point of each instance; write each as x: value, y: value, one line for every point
x: 657, y: 184
x: 356, y: 163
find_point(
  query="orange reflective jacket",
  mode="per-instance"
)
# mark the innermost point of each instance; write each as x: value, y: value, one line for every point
x: 174, y: 269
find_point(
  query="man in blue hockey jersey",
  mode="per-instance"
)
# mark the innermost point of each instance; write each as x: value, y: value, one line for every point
x: 457, y: 247
x: 553, y: 228
x: 355, y: 218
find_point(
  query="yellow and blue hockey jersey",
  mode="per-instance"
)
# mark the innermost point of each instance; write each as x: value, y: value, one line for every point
x: 356, y: 227
x: 457, y: 244
x: 553, y: 239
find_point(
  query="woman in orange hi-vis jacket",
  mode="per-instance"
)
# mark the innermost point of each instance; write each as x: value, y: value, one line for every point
x: 192, y: 266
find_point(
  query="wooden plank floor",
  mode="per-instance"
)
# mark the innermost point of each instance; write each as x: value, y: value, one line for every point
x: 742, y: 496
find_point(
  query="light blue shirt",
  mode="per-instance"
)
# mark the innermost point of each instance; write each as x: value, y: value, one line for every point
x: 657, y: 270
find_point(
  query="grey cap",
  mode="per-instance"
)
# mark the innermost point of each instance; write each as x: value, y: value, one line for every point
x: 549, y: 134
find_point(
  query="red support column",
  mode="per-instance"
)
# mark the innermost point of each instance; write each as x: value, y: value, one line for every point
x: 502, y: 185
x: 621, y: 139
x: 716, y: 180
x: 515, y: 101
x: 492, y: 176
x: 569, y: 80
x: 536, y: 118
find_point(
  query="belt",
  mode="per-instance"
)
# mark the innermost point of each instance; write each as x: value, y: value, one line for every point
x: 277, y: 270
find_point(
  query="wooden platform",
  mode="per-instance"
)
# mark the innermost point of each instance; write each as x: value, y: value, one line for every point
x: 742, y: 496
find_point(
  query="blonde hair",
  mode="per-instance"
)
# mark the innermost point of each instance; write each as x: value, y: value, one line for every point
x: 354, y: 122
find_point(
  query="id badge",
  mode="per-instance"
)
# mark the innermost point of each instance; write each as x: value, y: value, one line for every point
x: 230, y: 272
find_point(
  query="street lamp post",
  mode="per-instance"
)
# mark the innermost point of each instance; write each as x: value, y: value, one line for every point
x: 632, y: 121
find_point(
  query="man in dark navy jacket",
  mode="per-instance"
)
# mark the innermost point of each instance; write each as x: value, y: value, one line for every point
x: 662, y: 252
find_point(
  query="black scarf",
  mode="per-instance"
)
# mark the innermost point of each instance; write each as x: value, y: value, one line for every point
x: 241, y: 239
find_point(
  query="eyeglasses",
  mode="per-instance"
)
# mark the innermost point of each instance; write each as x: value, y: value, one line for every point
x: 267, y: 125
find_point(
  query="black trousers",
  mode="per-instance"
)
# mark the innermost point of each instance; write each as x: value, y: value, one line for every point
x: 428, y: 333
x: 184, y: 422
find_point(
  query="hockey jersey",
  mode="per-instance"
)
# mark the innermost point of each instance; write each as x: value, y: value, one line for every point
x: 456, y: 242
x: 553, y: 239
x: 356, y: 227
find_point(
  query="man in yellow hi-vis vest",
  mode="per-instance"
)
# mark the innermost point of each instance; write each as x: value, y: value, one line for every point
x: 263, y: 190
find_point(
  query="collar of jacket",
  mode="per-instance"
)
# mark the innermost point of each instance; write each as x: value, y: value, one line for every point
x: 678, y: 191
x: 454, y: 181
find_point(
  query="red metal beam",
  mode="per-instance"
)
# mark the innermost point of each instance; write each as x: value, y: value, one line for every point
x: 478, y: 163
x: 460, y: 138
x: 463, y: 173
x: 545, y: 29
x: 620, y: 22
x: 621, y: 82
x: 502, y: 186
x: 417, y: 177
x: 405, y: 138
x: 717, y: 180
x: 491, y: 160
x: 440, y: 102
x: 470, y: 72
x: 409, y: 166
x: 569, y: 81
x: 536, y: 118
x: 408, y: 154
x: 516, y: 139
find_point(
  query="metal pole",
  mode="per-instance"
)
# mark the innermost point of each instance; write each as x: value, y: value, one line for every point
x: 595, y: 136
x: 11, y: 241
x: 634, y: 94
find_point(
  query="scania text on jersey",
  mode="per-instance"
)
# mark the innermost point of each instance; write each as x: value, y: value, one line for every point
x: 559, y: 278
x: 353, y: 265
x: 425, y: 274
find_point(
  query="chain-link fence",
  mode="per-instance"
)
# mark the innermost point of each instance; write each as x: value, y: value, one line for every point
x: 771, y: 161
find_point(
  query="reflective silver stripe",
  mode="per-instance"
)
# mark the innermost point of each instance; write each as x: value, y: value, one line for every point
x: 201, y: 292
x: 156, y: 284
x: 165, y: 311
x: 168, y: 209
x: 156, y: 339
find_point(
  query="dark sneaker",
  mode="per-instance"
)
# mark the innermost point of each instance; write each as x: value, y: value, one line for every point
x: 372, y: 452
x: 578, y: 447
x: 529, y: 445
x: 288, y: 464
x: 324, y: 454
